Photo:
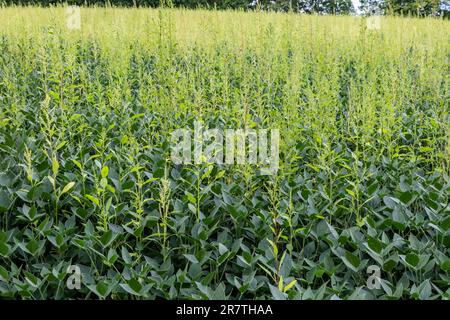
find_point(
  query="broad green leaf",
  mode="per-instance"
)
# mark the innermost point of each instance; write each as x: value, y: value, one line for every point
x: 105, y: 171
x: 67, y: 187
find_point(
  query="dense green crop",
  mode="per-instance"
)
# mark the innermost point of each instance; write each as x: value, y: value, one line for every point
x: 86, y: 177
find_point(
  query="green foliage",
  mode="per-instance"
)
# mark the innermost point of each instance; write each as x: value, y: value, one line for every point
x: 405, y: 7
x: 414, y: 7
x: 86, y: 177
x: 219, y: 4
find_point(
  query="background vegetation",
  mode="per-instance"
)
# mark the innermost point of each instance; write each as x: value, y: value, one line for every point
x: 86, y: 177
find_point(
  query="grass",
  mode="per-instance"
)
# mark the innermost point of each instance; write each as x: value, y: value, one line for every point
x: 86, y: 177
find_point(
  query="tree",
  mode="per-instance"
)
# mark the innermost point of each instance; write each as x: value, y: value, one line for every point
x: 367, y: 7
x: 371, y: 7
x: 414, y: 7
